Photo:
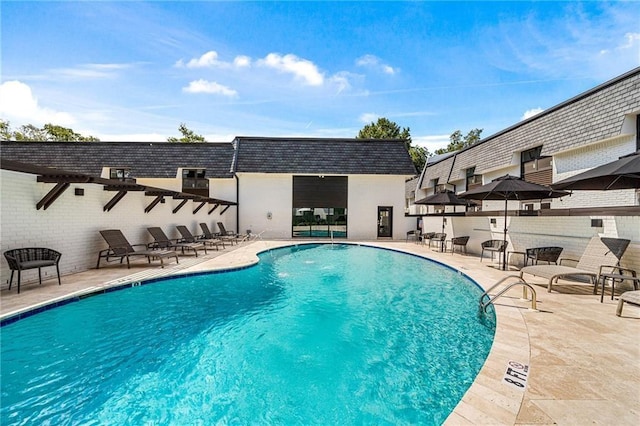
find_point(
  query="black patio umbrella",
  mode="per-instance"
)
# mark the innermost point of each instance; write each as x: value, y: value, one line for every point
x: 445, y: 198
x: 623, y: 173
x: 507, y: 188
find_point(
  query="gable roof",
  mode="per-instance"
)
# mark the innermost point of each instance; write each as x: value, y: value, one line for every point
x: 322, y: 155
x: 145, y: 160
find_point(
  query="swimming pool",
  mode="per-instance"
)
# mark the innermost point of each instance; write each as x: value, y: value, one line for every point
x: 321, y: 334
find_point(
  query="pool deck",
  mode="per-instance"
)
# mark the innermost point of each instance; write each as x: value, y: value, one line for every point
x: 584, y: 361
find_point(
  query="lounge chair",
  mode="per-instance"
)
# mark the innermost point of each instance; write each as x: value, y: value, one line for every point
x: 188, y: 237
x: 207, y: 234
x: 163, y: 242
x: 632, y: 297
x: 120, y: 248
x: 232, y: 236
x: 601, y: 254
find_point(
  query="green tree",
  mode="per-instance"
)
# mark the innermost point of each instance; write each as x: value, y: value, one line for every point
x: 188, y: 135
x: 5, y: 130
x: 387, y: 129
x: 50, y: 132
x: 64, y: 134
x: 458, y: 142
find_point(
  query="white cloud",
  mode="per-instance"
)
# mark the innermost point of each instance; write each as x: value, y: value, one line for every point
x: 531, y: 112
x: 373, y: 62
x: 210, y: 60
x: 302, y: 69
x: 369, y: 117
x: 90, y: 71
x: 18, y: 103
x: 242, y: 61
x: 204, y: 86
x: 431, y: 142
x: 342, y: 81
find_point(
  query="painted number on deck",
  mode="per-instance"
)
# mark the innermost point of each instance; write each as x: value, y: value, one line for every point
x: 516, y: 375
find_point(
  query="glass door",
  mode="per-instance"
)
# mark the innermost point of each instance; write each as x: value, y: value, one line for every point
x: 385, y: 221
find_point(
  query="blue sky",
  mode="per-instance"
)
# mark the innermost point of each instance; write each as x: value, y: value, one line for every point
x: 136, y: 70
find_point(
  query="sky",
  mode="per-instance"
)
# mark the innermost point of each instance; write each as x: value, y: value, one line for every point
x: 134, y: 71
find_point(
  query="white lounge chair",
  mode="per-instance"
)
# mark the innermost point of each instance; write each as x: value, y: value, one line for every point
x: 601, y: 255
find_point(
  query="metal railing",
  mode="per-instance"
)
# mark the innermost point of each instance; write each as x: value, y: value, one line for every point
x: 491, y: 299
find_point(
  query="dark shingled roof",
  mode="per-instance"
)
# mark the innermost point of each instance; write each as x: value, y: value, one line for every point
x: 326, y: 156
x: 144, y: 159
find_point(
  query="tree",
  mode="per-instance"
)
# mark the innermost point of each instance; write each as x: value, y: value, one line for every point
x: 387, y: 129
x: 188, y: 135
x: 50, y: 132
x: 458, y: 142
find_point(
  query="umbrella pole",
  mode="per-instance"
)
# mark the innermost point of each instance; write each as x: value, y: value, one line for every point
x: 504, y: 238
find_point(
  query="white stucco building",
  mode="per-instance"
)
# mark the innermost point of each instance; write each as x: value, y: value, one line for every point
x: 60, y: 195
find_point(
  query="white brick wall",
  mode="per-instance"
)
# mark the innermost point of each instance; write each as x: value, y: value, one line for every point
x: 72, y: 223
x: 585, y: 158
x: 570, y: 232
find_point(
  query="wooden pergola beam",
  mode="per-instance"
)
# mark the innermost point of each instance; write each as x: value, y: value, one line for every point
x: 115, y: 200
x: 52, y: 195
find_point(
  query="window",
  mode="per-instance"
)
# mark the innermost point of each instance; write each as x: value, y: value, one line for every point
x: 434, y: 183
x: 195, y: 182
x: 473, y: 179
x: 320, y: 206
x: 441, y: 188
x: 120, y: 173
x: 536, y: 168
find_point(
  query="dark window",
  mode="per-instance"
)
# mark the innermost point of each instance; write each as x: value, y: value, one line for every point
x: 536, y: 168
x: 473, y: 179
x: 434, y: 182
x: 320, y: 206
x: 194, y: 181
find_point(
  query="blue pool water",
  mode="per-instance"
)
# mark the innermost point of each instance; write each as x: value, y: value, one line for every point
x: 313, y: 334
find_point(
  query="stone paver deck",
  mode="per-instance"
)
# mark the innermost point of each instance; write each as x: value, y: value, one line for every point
x: 584, y: 360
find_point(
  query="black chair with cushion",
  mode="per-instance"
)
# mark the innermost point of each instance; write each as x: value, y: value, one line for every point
x: 438, y: 238
x: 460, y: 242
x: 542, y: 254
x: 21, y: 259
x: 493, y: 246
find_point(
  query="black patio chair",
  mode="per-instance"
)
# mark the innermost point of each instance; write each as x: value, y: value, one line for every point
x: 22, y: 259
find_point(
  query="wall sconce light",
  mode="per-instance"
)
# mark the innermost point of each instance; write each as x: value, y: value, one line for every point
x: 269, y: 215
x: 493, y: 221
x: 596, y: 223
x: 79, y: 192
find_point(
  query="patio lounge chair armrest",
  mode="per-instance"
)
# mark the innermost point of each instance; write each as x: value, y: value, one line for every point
x: 567, y: 259
x: 620, y: 270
